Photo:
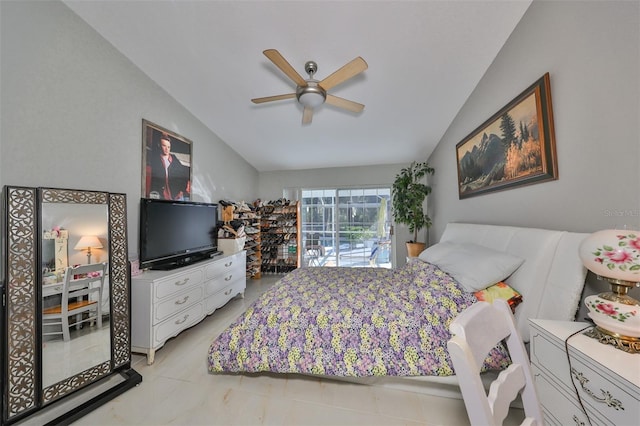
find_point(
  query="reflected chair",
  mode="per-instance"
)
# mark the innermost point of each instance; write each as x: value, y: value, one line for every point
x: 80, y: 299
x: 475, y: 332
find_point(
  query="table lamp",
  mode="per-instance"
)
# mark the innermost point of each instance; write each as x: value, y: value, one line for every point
x: 614, y: 256
x: 87, y: 242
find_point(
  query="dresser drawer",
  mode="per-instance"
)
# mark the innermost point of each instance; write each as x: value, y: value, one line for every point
x: 550, y: 355
x: 164, y: 303
x: 180, y: 321
x: 224, y: 266
x: 177, y: 302
x: 177, y: 283
x: 215, y: 285
x: 559, y: 408
x: 223, y: 295
x: 601, y: 397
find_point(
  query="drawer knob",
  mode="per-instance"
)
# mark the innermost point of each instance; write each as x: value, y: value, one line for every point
x: 183, y: 301
x: 228, y: 264
x: 180, y: 321
x: 228, y: 278
x: 228, y: 292
x: 606, y: 398
x: 183, y: 282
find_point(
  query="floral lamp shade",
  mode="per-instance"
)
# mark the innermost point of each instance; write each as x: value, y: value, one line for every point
x: 614, y: 256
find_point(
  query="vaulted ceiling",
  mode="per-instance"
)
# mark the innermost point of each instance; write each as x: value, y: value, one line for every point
x: 424, y: 60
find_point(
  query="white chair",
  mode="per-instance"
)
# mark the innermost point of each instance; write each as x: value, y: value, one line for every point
x: 314, y: 251
x: 76, y: 299
x: 475, y: 332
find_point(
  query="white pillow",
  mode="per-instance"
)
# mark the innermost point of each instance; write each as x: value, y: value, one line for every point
x: 474, y: 266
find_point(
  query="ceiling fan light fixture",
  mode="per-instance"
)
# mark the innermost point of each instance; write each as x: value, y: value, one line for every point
x: 311, y: 96
x: 310, y: 92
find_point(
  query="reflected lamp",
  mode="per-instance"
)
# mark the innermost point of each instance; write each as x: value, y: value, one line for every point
x: 614, y: 256
x: 87, y: 242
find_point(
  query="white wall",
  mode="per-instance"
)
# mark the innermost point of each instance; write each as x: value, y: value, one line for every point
x: 72, y: 109
x: 591, y: 50
x: 273, y: 183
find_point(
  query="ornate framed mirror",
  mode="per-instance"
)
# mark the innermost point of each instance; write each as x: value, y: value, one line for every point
x: 39, y: 371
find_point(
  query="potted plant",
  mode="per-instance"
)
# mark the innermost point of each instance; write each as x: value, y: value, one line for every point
x: 407, y: 198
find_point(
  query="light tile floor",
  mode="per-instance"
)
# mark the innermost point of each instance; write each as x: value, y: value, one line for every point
x: 87, y: 347
x: 177, y: 390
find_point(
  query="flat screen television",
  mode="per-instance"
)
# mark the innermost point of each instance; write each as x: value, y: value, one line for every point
x: 176, y: 233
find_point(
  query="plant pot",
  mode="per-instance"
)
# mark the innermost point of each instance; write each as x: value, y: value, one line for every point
x: 414, y: 249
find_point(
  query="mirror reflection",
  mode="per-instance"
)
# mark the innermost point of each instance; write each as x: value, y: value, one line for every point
x: 75, y: 289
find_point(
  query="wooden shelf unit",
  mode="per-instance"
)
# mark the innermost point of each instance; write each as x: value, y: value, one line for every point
x: 280, y: 230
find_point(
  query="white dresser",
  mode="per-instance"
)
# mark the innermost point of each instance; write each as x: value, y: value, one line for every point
x: 164, y: 303
x: 607, y: 379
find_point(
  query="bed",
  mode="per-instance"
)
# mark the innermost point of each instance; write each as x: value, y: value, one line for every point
x: 390, y: 327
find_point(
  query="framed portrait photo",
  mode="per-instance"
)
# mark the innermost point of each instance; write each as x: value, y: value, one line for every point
x: 166, y: 164
x: 515, y: 147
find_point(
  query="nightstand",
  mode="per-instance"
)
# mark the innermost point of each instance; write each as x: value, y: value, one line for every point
x: 607, y: 379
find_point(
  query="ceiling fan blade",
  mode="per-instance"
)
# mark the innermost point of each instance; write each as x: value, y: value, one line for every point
x: 280, y: 62
x: 307, y: 114
x: 349, y: 70
x: 273, y: 98
x: 344, y: 103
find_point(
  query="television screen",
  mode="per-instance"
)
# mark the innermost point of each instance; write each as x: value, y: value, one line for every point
x: 175, y: 233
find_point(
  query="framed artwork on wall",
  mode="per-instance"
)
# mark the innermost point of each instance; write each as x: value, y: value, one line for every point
x: 166, y: 164
x: 515, y: 147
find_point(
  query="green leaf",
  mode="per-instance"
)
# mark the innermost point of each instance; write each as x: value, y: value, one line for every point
x: 407, y: 197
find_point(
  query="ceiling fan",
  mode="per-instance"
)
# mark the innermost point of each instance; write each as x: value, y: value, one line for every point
x: 312, y: 93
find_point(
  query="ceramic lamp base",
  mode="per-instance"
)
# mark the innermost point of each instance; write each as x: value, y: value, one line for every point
x: 615, y: 317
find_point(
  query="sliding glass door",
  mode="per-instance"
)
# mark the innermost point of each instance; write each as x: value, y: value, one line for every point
x: 346, y: 227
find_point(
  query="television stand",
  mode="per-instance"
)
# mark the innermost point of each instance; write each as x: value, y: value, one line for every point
x: 168, y: 302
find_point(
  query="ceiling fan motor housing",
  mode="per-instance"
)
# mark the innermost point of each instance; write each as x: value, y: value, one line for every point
x: 310, y: 92
x: 311, y: 95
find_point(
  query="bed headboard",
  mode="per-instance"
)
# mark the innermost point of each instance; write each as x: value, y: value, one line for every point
x: 552, y: 276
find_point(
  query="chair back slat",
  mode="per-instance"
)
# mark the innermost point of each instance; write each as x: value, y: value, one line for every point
x: 504, y: 390
x: 79, y: 284
x: 475, y: 332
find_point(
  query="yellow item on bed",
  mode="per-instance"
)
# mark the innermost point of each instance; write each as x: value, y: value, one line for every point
x: 500, y: 290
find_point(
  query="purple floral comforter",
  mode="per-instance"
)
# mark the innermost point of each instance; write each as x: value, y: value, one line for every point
x: 349, y: 322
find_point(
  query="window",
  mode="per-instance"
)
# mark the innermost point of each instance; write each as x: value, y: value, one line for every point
x: 346, y: 227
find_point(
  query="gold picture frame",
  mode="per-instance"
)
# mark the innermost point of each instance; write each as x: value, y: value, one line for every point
x: 515, y: 147
x: 165, y: 175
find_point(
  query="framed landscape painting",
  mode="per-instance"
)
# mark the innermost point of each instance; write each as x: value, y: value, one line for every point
x: 515, y: 147
x: 166, y: 164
